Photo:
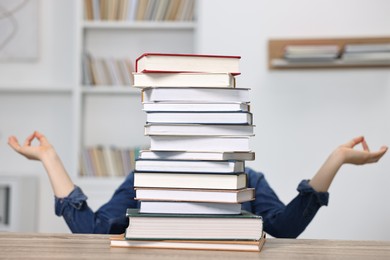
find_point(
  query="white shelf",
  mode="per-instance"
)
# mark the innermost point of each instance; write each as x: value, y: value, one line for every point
x: 36, y: 89
x: 138, y: 25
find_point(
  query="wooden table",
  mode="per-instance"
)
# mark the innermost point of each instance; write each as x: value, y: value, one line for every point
x: 76, y: 246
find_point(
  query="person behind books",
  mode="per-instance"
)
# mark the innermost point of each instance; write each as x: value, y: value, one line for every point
x: 280, y: 220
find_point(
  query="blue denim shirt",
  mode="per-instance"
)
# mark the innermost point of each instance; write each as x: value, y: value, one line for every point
x: 280, y: 220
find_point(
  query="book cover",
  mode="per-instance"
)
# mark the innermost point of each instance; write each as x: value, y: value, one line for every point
x: 209, y: 107
x: 225, y: 245
x: 196, y: 95
x: 224, y: 80
x: 192, y: 155
x: 189, y: 207
x: 199, y: 143
x: 156, y: 165
x: 190, y: 180
x: 195, y: 195
x: 199, y: 129
x: 190, y: 117
x: 169, y: 62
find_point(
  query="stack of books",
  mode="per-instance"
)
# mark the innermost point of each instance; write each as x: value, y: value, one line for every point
x: 311, y: 53
x: 191, y: 183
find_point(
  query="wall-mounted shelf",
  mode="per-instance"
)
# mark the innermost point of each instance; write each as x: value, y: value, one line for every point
x: 277, y: 61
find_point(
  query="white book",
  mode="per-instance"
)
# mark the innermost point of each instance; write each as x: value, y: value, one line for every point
x: 168, y: 62
x: 190, y: 180
x: 195, y: 195
x: 199, y: 143
x: 371, y: 47
x: 200, y: 117
x: 192, y: 155
x: 196, y: 95
x: 157, y: 165
x: 174, y: 207
x: 199, y: 129
x: 210, y: 107
x: 184, y: 80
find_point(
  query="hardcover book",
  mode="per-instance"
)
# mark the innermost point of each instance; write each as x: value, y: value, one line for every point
x: 218, y: 245
x: 209, y: 107
x: 196, y: 95
x: 223, y: 80
x: 244, y: 226
x: 193, y: 155
x: 190, y: 180
x: 199, y: 129
x: 169, y: 62
x: 195, y: 195
x: 200, y: 117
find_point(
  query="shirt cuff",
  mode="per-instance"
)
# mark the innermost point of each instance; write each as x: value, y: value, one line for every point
x: 75, y: 199
x: 304, y: 188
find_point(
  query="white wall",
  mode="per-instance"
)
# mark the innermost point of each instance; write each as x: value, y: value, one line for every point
x: 301, y: 116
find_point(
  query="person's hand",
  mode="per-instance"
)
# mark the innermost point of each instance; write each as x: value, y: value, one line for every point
x: 28, y: 150
x: 359, y: 157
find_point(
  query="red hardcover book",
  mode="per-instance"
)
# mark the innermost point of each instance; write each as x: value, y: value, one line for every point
x: 169, y: 62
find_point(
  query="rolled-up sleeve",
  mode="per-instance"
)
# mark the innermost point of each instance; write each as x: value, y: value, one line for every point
x: 280, y: 220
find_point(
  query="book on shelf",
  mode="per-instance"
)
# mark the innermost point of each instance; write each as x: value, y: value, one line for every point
x: 192, y: 155
x: 244, y: 226
x: 363, y: 47
x: 186, y: 207
x: 195, y: 195
x: 218, y: 245
x: 199, y: 143
x: 189, y: 117
x: 157, y: 165
x: 311, y: 52
x: 196, y: 95
x: 169, y: 62
x: 199, y: 129
x: 366, y: 56
x: 223, y: 80
x: 190, y: 180
x: 210, y: 107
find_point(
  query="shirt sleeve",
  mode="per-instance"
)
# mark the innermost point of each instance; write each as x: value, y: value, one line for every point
x: 108, y: 219
x: 280, y: 220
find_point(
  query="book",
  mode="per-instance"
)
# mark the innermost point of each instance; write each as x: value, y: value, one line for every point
x: 244, y: 226
x: 185, y: 207
x: 366, y: 56
x: 199, y: 143
x: 168, y: 62
x: 189, y: 117
x: 192, y: 155
x: 196, y: 95
x: 190, y: 180
x: 199, y: 129
x: 371, y: 47
x: 225, y: 245
x: 210, y: 107
x: 311, y: 52
x: 195, y: 195
x: 156, y: 165
x: 224, y: 80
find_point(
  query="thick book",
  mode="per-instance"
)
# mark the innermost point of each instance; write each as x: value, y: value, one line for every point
x: 196, y: 95
x: 199, y: 129
x: 199, y: 143
x: 192, y: 155
x: 223, y: 80
x: 156, y: 165
x: 244, y: 226
x: 195, y: 195
x: 190, y: 180
x: 169, y: 62
x: 243, y: 118
x: 217, y: 245
x: 208, y: 107
x: 186, y: 207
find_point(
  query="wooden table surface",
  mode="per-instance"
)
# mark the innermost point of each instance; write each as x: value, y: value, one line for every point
x: 77, y: 246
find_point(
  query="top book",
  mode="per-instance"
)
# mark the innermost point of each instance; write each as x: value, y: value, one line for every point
x: 166, y: 62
